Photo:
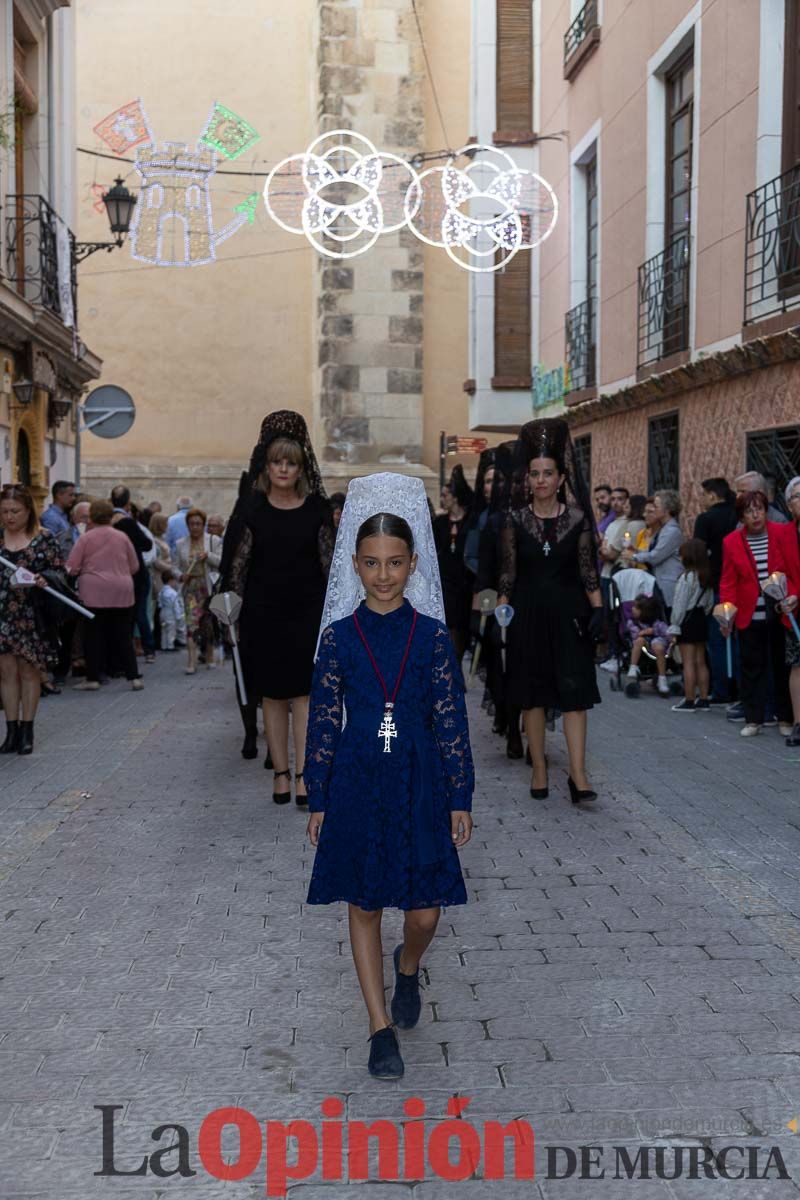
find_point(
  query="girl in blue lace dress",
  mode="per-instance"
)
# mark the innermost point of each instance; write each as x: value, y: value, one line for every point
x: 389, y: 787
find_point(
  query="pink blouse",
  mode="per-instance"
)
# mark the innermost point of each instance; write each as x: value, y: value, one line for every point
x: 105, y: 562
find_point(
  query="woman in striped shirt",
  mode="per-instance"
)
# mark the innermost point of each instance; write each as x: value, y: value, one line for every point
x: 749, y: 555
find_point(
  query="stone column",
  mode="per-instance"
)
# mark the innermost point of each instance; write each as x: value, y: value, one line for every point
x: 369, y: 309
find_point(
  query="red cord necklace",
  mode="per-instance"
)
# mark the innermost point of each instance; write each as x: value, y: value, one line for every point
x: 388, y: 729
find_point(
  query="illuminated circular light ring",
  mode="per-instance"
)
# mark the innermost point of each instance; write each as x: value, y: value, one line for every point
x: 318, y: 215
x: 459, y: 230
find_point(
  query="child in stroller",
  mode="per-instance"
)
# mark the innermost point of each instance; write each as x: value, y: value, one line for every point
x: 646, y: 633
x: 638, y: 617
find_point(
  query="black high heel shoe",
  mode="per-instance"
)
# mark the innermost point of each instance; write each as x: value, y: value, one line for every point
x: 282, y: 797
x: 300, y: 800
x: 576, y: 795
x: 541, y: 793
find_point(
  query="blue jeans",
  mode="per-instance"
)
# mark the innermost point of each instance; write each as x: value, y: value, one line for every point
x: 720, y: 685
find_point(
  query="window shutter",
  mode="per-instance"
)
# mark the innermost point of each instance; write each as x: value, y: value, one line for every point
x: 512, y: 323
x: 514, y: 66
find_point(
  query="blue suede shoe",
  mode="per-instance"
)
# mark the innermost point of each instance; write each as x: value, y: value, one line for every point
x: 406, y: 1001
x: 385, y: 1061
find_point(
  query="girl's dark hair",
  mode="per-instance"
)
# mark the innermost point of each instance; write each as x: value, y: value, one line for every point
x: 637, y: 504
x: 388, y: 525
x: 694, y: 556
x: 648, y: 608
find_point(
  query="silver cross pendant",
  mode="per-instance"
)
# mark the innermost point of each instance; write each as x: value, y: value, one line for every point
x: 388, y: 729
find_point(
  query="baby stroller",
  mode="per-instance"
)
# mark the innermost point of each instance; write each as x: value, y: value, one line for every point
x: 626, y: 585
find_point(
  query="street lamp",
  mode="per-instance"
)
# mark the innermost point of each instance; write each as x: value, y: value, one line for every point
x: 23, y: 391
x: 120, y: 204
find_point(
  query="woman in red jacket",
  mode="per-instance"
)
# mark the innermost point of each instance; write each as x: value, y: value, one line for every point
x: 790, y: 565
x: 749, y: 555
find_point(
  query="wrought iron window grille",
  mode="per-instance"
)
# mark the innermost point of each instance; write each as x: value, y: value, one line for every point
x: 663, y: 308
x: 772, y: 247
x: 32, y: 259
x: 581, y: 345
x: 581, y: 27
x: 663, y: 453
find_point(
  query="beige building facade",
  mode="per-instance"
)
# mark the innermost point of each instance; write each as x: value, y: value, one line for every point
x: 45, y: 365
x: 663, y: 309
x: 373, y: 350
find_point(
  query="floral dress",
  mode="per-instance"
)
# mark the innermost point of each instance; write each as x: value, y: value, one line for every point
x: 20, y: 632
x: 386, y: 840
x: 195, y: 598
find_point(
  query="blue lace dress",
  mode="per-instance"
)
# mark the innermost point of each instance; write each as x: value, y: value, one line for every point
x: 386, y: 840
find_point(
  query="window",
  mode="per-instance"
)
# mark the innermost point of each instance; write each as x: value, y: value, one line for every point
x: 514, y: 66
x: 591, y: 266
x: 514, y: 102
x: 583, y: 455
x: 790, y: 139
x: 678, y: 211
x: 775, y: 452
x: 663, y: 461
x: 512, y: 324
x: 155, y: 195
x: 193, y: 197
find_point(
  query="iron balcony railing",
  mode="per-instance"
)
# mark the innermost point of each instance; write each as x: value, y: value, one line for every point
x: 580, y: 343
x: 581, y: 27
x: 772, y: 247
x: 663, y: 313
x: 40, y: 256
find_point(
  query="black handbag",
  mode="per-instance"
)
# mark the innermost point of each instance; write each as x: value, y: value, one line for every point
x: 51, y: 613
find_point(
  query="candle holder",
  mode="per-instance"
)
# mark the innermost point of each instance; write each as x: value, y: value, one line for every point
x: 776, y: 586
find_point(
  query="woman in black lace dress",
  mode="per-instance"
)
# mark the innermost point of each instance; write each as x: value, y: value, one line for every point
x: 284, y: 537
x: 549, y: 576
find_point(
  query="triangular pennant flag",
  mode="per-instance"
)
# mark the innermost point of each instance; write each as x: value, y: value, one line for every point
x: 248, y: 207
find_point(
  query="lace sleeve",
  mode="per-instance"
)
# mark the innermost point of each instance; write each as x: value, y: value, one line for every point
x: 587, y: 559
x: 324, y: 722
x: 450, y: 724
x: 240, y: 563
x: 326, y: 539
x: 508, y: 557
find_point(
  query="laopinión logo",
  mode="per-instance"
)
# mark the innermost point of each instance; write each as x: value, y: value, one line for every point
x: 454, y: 1149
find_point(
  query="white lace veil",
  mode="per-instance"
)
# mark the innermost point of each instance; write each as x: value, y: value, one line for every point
x: 404, y: 497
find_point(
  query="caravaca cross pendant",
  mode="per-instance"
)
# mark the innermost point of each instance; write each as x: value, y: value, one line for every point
x: 388, y: 729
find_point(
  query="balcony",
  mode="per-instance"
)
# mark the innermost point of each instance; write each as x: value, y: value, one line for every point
x: 40, y: 257
x: 580, y: 341
x: 772, y: 248
x: 581, y: 39
x: 663, y: 316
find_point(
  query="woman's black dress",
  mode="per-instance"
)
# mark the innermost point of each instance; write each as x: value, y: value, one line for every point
x: 280, y: 569
x: 450, y: 538
x: 547, y: 569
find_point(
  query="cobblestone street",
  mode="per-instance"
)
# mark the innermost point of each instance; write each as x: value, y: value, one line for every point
x: 622, y: 975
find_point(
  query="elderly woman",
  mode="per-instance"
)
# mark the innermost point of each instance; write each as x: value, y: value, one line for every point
x: 281, y: 540
x: 197, y: 558
x: 25, y: 649
x: 663, y: 555
x: 105, y: 562
x: 749, y: 555
x: 161, y: 564
x: 789, y: 559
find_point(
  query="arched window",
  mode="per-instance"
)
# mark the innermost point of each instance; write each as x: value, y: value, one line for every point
x: 155, y: 195
x: 193, y: 197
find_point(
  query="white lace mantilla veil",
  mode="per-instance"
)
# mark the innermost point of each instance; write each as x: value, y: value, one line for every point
x: 401, y: 496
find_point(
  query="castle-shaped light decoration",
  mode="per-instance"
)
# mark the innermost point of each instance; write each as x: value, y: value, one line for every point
x: 173, y: 223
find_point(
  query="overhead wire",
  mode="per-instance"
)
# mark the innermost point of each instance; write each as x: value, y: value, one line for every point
x: 429, y: 71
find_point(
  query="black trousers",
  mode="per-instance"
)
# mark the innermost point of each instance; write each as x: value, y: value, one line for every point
x: 109, y: 638
x: 762, y: 643
x: 66, y: 636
